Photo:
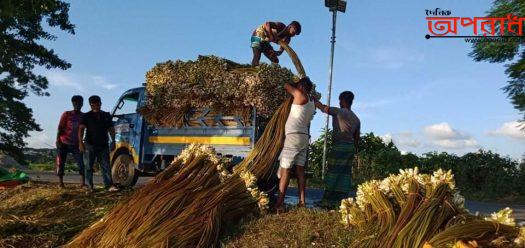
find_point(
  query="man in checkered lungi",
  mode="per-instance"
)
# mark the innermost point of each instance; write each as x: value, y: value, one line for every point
x: 346, y: 131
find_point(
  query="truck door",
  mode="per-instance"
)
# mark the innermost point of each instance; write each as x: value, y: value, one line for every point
x: 128, y: 124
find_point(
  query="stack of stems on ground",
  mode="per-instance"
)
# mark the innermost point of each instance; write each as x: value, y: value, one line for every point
x: 421, y: 210
x: 471, y: 228
x: 188, y: 203
x: 185, y: 206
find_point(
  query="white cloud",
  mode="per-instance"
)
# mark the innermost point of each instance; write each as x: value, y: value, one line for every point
x: 510, y: 129
x: 387, y: 138
x: 103, y: 82
x: 62, y: 79
x: 402, y: 139
x: 441, y: 131
x: 456, y: 143
x: 77, y: 82
x: 394, y: 58
x: 444, y: 136
x: 39, y: 140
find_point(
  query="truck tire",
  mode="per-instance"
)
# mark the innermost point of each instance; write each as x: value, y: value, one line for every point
x: 123, y: 171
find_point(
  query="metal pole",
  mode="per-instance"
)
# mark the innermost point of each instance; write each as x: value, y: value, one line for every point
x: 334, y: 11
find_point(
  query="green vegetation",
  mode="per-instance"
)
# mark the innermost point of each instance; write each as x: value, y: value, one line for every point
x: 43, y: 159
x: 22, y: 33
x: 509, y: 51
x: 51, y: 167
x: 481, y: 175
x: 42, y: 156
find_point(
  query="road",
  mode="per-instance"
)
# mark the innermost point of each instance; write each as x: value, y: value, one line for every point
x: 313, y: 195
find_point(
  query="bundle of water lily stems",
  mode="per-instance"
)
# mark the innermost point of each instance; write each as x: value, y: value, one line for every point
x: 185, y: 206
x: 422, y: 210
x: 188, y: 203
x: 175, y: 88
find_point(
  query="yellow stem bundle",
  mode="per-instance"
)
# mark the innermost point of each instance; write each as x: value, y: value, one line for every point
x: 187, y: 204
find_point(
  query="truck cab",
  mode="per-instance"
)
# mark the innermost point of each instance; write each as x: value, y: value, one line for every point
x: 145, y: 149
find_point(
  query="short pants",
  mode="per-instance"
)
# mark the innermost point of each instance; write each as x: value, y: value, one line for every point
x: 294, y: 151
x: 259, y: 43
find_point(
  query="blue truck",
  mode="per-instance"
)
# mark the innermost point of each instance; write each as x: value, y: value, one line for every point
x: 145, y: 149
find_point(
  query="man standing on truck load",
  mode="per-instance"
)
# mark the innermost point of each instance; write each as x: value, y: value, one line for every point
x: 98, y: 126
x: 346, y: 132
x: 272, y: 32
x: 296, y: 141
x: 67, y: 140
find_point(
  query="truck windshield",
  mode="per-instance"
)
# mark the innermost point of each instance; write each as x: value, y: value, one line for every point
x: 128, y: 104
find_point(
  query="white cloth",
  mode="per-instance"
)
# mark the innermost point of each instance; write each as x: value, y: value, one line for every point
x: 294, y: 151
x: 299, y: 118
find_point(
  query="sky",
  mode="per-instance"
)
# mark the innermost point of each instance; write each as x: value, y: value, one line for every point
x: 424, y: 95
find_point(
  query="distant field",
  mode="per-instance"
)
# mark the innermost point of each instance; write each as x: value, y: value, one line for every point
x: 51, y: 167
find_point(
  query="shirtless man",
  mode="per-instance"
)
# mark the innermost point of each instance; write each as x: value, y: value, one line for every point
x: 272, y: 32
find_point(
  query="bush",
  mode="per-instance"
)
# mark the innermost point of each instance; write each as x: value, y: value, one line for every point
x: 488, y: 174
x: 479, y: 175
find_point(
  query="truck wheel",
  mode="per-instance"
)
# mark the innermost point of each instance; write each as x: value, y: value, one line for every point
x: 123, y: 171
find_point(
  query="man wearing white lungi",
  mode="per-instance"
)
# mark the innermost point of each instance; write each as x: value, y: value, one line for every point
x: 296, y: 142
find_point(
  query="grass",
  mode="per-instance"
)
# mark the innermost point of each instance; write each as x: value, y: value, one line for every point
x: 51, y: 167
x: 296, y: 228
x: 42, y: 215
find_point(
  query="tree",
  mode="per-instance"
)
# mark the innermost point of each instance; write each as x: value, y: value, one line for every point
x: 315, y: 154
x: 488, y: 174
x: 376, y: 159
x: 499, y: 52
x: 432, y: 161
x: 20, y: 31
